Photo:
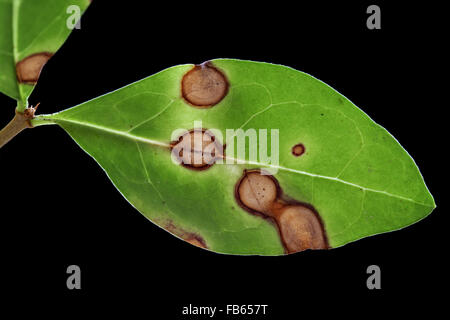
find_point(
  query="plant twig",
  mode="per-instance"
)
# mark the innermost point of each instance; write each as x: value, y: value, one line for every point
x: 20, y: 122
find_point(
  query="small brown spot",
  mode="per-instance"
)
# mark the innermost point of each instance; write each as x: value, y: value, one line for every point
x: 298, y: 150
x: 204, y: 85
x: 299, y: 225
x: 29, y: 68
x: 197, y: 149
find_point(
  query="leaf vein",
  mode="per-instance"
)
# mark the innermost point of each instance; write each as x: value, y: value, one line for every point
x: 152, y: 117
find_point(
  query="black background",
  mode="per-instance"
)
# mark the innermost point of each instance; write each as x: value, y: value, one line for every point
x: 58, y: 207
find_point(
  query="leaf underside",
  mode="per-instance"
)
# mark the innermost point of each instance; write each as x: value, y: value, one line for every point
x: 353, y: 172
x: 27, y: 28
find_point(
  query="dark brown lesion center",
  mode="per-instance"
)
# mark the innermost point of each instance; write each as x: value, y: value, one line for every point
x: 204, y: 86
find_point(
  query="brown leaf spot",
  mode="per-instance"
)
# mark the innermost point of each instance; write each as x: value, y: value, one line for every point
x: 204, y: 85
x: 301, y: 229
x: 196, y: 241
x: 191, y: 237
x: 256, y: 191
x: 197, y: 149
x: 29, y: 68
x: 299, y: 225
x: 298, y: 150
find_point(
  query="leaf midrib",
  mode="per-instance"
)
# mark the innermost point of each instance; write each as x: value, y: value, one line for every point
x: 51, y: 120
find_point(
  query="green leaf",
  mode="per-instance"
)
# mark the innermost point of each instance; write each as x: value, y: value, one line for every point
x: 353, y: 172
x: 30, y: 28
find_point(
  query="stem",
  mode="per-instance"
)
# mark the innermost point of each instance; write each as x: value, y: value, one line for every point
x: 21, y: 107
x: 20, y: 122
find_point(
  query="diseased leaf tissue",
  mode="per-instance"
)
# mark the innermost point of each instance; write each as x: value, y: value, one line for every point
x: 237, y: 157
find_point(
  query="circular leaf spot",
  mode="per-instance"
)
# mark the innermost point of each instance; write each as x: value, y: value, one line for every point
x: 197, y: 149
x: 257, y: 192
x: 204, y: 86
x: 298, y: 150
